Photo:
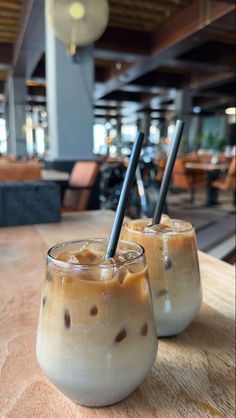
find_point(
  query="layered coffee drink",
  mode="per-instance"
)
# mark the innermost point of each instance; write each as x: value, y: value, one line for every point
x: 173, y: 267
x: 96, y: 335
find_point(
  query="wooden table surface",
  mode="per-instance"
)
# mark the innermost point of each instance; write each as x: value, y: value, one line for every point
x: 54, y: 175
x: 207, y: 166
x: 194, y: 372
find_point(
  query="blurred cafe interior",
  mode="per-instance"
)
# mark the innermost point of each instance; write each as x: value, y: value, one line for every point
x: 72, y: 102
x: 117, y: 151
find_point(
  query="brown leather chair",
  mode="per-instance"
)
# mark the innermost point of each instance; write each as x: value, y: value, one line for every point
x: 83, y: 181
x: 160, y: 170
x: 20, y: 171
x: 228, y: 181
x: 187, y: 179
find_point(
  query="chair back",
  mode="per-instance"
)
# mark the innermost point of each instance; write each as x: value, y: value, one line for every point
x: 160, y: 170
x: 84, y: 174
x: 229, y: 182
x: 179, y: 176
x: 20, y: 171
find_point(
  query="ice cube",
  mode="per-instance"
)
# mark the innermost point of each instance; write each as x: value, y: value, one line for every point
x: 129, y: 255
x: 122, y: 273
x: 86, y: 257
x: 134, y: 267
x: 96, y: 247
x: 68, y: 257
x: 160, y: 228
x: 165, y: 218
x: 108, y: 273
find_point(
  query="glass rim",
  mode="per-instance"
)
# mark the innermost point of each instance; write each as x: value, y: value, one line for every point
x: 66, y: 264
x: 189, y: 228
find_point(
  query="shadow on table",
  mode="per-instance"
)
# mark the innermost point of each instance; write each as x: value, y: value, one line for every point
x: 209, y: 330
x: 193, y: 373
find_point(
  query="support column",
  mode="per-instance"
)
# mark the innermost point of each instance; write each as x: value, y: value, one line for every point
x: 163, y: 128
x: 144, y: 125
x: 195, y: 133
x: 16, y: 117
x: 183, y: 103
x: 223, y: 127
x: 118, y: 129
x: 70, y: 101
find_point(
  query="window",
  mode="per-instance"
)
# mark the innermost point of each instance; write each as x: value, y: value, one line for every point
x: 99, y: 139
x: 128, y: 132
x: 3, y: 136
x: 154, y: 135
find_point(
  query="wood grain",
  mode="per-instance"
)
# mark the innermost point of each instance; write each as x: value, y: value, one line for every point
x: 194, y: 372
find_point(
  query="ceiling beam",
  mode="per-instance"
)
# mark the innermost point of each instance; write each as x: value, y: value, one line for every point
x: 26, y: 10
x: 6, y: 55
x: 172, y: 39
x: 149, y: 89
x: 31, y: 41
x: 117, y: 55
x: 123, y: 45
x: 11, y: 5
x: 201, y: 81
x: 199, y: 65
x: 153, y: 6
x: 210, y: 104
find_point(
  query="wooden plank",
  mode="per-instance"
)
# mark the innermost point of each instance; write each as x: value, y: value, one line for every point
x: 140, y: 7
x: 9, y: 13
x: 8, y: 21
x: 12, y: 5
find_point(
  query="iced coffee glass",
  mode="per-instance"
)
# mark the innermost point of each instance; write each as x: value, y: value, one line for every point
x: 96, y: 335
x: 173, y: 267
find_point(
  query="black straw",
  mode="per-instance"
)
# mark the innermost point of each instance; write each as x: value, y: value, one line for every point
x: 128, y: 182
x: 168, y: 171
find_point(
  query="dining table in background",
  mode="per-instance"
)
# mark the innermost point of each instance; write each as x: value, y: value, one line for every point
x: 213, y: 172
x: 193, y: 375
x: 54, y: 175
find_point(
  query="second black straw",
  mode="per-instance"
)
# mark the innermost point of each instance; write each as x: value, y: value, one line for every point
x: 168, y: 171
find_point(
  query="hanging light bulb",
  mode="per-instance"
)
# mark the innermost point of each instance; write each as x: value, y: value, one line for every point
x: 77, y: 23
x: 77, y: 10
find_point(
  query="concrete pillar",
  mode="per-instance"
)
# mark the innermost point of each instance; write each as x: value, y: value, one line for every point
x: 70, y: 101
x: 118, y: 129
x: 163, y: 125
x: 16, y: 117
x: 144, y: 125
x: 195, y: 133
x: 224, y: 127
x: 183, y: 103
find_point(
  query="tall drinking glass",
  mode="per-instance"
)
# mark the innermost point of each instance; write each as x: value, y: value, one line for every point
x: 173, y: 267
x: 96, y: 334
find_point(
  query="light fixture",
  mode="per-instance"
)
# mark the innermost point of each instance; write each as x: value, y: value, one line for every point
x: 77, y: 22
x: 197, y: 109
x: 118, y: 65
x: 230, y: 111
x: 77, y: 10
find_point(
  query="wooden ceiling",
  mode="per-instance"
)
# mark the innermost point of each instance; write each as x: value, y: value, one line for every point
x: 10, y: 13
x: 143, y: 15
x: 150, y: 49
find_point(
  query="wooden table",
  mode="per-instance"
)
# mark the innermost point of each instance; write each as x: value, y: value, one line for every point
x: 54, y: 175
x: 207, y: 166
x: 194, y: 372
x: 213, y: 171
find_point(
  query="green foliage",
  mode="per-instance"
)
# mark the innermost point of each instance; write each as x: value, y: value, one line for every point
x: 211, y: 142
